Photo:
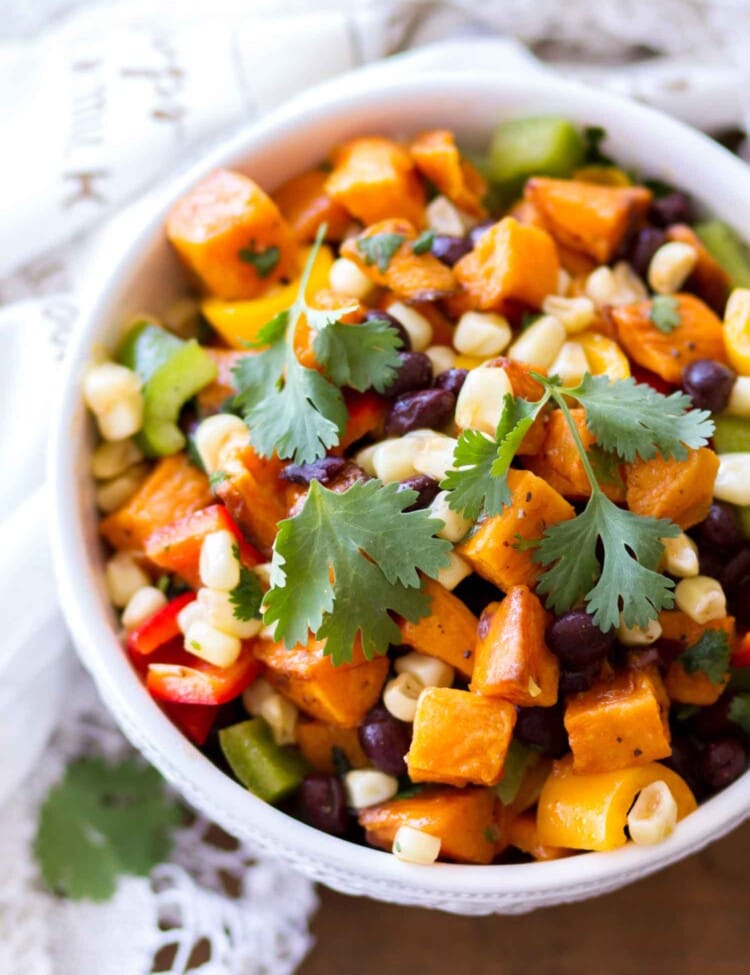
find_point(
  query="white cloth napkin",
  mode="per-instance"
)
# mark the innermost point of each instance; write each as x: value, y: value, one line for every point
x: 97, y: 108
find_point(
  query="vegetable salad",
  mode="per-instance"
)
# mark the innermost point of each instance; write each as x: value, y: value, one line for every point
x: 429, y: 507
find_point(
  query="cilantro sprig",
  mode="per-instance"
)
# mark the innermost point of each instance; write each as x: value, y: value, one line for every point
x: 379, y: 249
x: 665, y: 313
x: 264, y: 261
x: 709, y: 655
x: 340, y: 568
x: 298, y: 412
x: 628, y: 420
x: 246, y: 596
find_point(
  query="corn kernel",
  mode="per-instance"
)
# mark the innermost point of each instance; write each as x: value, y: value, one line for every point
x: 739, y: 398
x: 737, y: 330
x: 219, y: 566
x: 540, y: 344
x: 671, y: 266
x: 106, y: 384
x: 415, y: 846
x: 124, y: 577
x: 281, y: 715
x: 576, y: 314
x: 455, y: 572
x: 211, y: 435
x: 434, y: 456
x: 455, y: 526
x: 111, y: 495
x: 430, y: 671
x: 212, y: 645
x: 444, y: 218
x: 365, y: 458
x: 442, y: 358
x: 110, y: 459
x: 571, y: 364
x: 188, y: 615
x: 142, y: 605
x: 564, y: 281
x: 482, y: 334
x: 702, y: 598
x: 254, y: 696
x: 400, y: 696
x: 732, y: 482
x: 418, y: 327
x: 368, y: 787
x: 480, y: 402
x: 393, y: 459
x: 218, y: 610
x: 653, y: 815
x: 639, y: 636
x: 347, y: 279
x: 680, y: 556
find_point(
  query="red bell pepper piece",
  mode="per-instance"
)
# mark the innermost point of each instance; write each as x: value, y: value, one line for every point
x: 741, y: 656
x: 160, y: 628
x: 366, y: 414
x: 176, y: 547
x: 183, y: 678
x: 195, y: 721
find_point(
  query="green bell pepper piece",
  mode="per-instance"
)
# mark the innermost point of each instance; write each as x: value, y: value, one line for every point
x: 172, y: 372
x: 726, y: 247
x: 524, y: 147
x: 732, y: 435
x: 268, y: 770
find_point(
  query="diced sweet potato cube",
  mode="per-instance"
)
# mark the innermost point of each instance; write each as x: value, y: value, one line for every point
x: 437, y: 157
x: 374, y: 179
x: 305, y: 205
x: 510, y: 262
x: 681, y: 490
x: 231, y: 236
x: 459, y: 738
x: 174, y: 488
x: 408, y: 275
x: 461, y: 818
x: 212, y: 397
x: 491, y: 549
x: 588, y: 217
x: 698, y: 336
x: 523, y: 833
x: 338, y: 695
x: 448, y: 633
x: 558, y: 462
x: 695, y: 688
x: 709, y: 280
x: 679, y: 628
x: 318, y: 743
x: 252, y: 490
x: 512, y: 660
x: 619, y: 723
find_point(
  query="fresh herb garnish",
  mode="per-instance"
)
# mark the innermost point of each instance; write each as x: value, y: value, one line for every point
x: 340, y: 567
x: 101, y: 821
x: 593, y: 137
x: 340, y: 761
x: 246, y: 596
x: 379, y: 249
x: 264, y: 261
x: 424, y: 242
x: 298, y: 412
x: 665, y: 313
x: 709, y: 656
x: 215, y: 478
x: 739, y: 711
x: 518, y: 760
x: 628, y: 420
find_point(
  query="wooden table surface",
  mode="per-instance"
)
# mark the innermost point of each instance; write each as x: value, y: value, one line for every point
x: 691, y: 919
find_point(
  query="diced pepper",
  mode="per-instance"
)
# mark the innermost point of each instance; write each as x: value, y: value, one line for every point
x: 195, y: 721
x: 459, y: 738
x: 462, y: 819
x: 604, y: 356
x: 268, y: 770
x: 448, y: 633
x: 523, y: 833
x: 491, y: 549
x: 736, y: 330
x: 512, y: 660
x: 305, y: 205
x: 681, y: 490
x: 186, y: 679
x: 589, y: 811
x: 619, y: 722
x: 174, y: 488
x: 731, y: 434
x: 177, y: 547
x: 338, y: 695
x: 695, y: 688
x: 367, y: 412
x: 741, y: 655
x: 159, y: 629
x: 437, y: 157
x: 524, y: 147
x: 231, y: 236
x: 728, y: 250
x: 318, y: 742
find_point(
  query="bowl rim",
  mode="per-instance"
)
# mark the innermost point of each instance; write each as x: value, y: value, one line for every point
x: 360, y: 869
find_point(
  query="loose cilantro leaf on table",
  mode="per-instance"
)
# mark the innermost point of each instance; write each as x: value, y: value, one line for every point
x: 665, y: 313
x: 101, y: 821
x: 340, y: 567
x: 379, y: 249
x: 246, y: 596
x: 739, y: 711
x: 264, y: 261
x: 710, y: 656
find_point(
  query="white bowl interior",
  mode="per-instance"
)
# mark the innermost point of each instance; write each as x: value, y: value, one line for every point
x: 135, y: 270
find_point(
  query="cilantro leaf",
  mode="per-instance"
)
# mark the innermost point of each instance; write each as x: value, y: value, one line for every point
x: 215, y: 478
x: 593, y: 137
x: 340, y: 567
x: 423, y: 243
x: 710, y: 656
x: 246, y: 596
x: 739, y: 711
x: 634, y: 419
x: 518, y: 759
x: 101, y: 821
x: 264, y: 261
x: 665, y: 313
x: 380, y: 248
x: 478, y: 480
x: 360, y: 356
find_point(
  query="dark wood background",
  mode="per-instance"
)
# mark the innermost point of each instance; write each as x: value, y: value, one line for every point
x: 691, y: 919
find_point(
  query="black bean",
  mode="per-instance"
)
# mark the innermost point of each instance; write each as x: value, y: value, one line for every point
x: 720, y: 528
x: 321, y: 802
x: 723, y: 761
x: 449, y: 249
x: 476, y: 232
x: 685, y: 760
x: 385, y: 740
x: 324, y: 470
x: 737, y: 572
x: 426, y: 488
x: 476, y: 593
x: 424, y: 408
x: 714, y: 721
x: 414, y: 372
x: 543, y: 728
x: 575, y: 681
x: 383, y: 316
x: 578, y: 641
x: 674, y: 207
x: 452, y: 380
x: 709, y: 384
x: 642, y: 248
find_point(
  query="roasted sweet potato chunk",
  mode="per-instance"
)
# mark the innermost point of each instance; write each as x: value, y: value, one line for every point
x: 512, y: 660
x: 523, y: 833
x: 619, y: 722
x: 231, y: 236
x: 305, y: 205
x: 448, y: 633
x: 679, y: 628
x: 318, y: 743
x: 681, y: 490
x: 459, y: 738
x: 438, y: 158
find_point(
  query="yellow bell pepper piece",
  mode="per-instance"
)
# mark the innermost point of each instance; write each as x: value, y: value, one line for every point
x: 589, y: 812
x: 737, y: 330
x: 604, y: 355
x: 469, y: 361
x: 238, y: 322
x: 602, y: 175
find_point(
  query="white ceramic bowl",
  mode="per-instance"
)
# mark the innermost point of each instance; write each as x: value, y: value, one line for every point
x: 138, y: 271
